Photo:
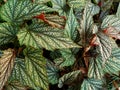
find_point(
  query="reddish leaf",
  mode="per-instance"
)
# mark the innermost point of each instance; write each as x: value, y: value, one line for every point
x: 94, y: 41
x: 41, y: 16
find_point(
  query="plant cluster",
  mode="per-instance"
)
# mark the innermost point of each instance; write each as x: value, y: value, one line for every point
x: 59, y: 44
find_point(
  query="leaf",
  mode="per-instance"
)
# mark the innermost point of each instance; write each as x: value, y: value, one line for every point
x: 15, y: 11
x: 41, y: 1
x: 76, y: 3
x: 91, y: 84
x: 68, y: 78
x: 6, y: 66
x: 47, y: 37
x: 87, y: 23
x: 111, y: 21
x: 20, y: 74
x: 95, y: 68
x: 36, y: 67
x: 52, y: 72
x: 71, y: 25
x: 105, y: 47
x: 112, y: 32
x: 15, y: 85
x: 59, y: 6
x: 118, y: 11
x: 112, y: 65
x: 8, y: 33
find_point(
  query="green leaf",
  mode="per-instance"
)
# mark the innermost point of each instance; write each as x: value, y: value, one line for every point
x: 87, y: 23
x: 47, y: 37
x: 105, y: 47
x: 6, y: 66
x: 8, y: 33
x: 59, y: 6
x: 20, y: 74
x: 36, y: 67
x: 118, y: 11
x: 41, y: 1
x: 76, y: 3
x: 68, y: 78
x: 15, y: 85
x: 111, y: 21
x: 15, y: 11
x: 52, y: 72
x: 112, y: 65
x: 91, y: 84
x: 71, y: 25
x: 95, y: 68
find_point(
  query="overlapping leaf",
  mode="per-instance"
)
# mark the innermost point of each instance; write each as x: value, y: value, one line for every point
x: 87, y: 22
x: 76, y: 3
x: 52, y: 72
x: 111, y: 21
x: 15, y: 11
x: 95, y: 68
x: 68, y: 78
x: 71, y: 25
x: 91, y: 84
x: 59, y: 6
x: 112, y: 65
x: 36, y: 67
x: 8, y: 33
x: 47, y: 37
x: 105, y: 47
x: 6, y: 66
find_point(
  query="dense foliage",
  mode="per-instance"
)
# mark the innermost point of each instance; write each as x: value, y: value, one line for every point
x: 59, y: 44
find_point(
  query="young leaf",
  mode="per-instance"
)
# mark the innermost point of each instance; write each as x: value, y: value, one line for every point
x: 35, y: 66
x: 71, y: 25
x: 15, y: 11
x: 111, y: 21
x: 52, y: 72
x: 59, y: 6
x: 95, y: 68
x: 76, y: 3
x: 91, y: 84
x: 112, y: 65
x: 47, y: 37
x: 68, y: 78
x: 8, y: 33
x: 6, y: 66
x: 118, y: 11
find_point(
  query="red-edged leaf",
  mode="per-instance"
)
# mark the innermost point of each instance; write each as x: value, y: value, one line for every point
x: 41, y: 16
x: 94, y: 41
x: 112, y: 32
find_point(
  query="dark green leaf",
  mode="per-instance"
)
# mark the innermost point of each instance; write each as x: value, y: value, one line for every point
x: 8, y: 33
x: 47, y: 37
x: 52, y: 72
x: 68, y: 78
x: 15, y: 11
x: 91, y: 84
x: 36, y: 67
x: 6, y: 66
x: 71, y: 25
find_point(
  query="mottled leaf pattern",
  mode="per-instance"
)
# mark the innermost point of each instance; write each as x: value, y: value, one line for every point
x: 6, y: 66
x: 36, y: 67
x: 112, y: 65
x: 68, y: 78
x: 95, y: 68
x: 47, y: 37
x: 15, y: 11
x: 59, y: 6
x: 52, y: 72
x: 8, y: 33
x: 91, y: 84
x: 71, y: 25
